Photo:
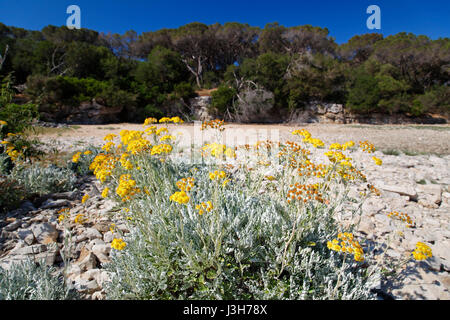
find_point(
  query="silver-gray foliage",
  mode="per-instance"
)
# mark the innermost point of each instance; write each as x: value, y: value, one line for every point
x: 30, y: 281
x: 250, y: 246
x: 43, y: 180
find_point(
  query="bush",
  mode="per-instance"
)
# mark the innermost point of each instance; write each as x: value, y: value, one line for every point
x: 44, y: 180
x: 12, y: 193
x: 234, y: 252
x: 252, y: 243
x: 31, y: 281
x: 72, y: 91
x: 18, y: 117
x: 222, y: 99
x: 184, y: 91
x: 81, y: 166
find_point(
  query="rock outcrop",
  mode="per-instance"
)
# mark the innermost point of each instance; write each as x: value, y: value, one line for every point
x: 90, y: 112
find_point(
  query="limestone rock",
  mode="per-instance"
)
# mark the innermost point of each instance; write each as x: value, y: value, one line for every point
x: 404, y: 190
x: 102, y: 251
x: 44, y: 233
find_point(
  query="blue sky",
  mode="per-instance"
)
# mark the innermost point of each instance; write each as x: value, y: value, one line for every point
x: 344, y: 18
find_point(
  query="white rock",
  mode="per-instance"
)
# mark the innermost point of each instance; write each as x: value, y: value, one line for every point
x: 92, y: 233
x: 102, y: 251
x: 108, y: 237
x: 13, y: 225
x: 26, y: 235
x: 50, y: 204
x: 44, y: 233
x: 87, y: 260
x: 404, y: 190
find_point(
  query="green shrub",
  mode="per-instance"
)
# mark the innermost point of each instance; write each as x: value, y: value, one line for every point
x: 72, y: 91
x: 18, y: 117
x: 184, y: 90
x: 12, y: 193
x: 222, y: 99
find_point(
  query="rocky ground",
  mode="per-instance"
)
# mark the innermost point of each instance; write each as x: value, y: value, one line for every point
x: 417, y: 185
x: 34, y: 232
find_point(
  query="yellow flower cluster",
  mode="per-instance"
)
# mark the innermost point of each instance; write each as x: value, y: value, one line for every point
x: 173, y: 119
x: 422, y: 251
x: 218, y: 150
x: 304, y: 192
x: 161, y: 148
x: 13, y: 154
x: 108, y: 146
x: 76, y: 157
x: 181, y: 197
x: 126, y: 136
x: 343, y: 147
x: 161, y: 130
x: 337, y: 156
x: 366, y: 146
x: 377, y: 161
x: 201, y: 208
x: 213, y: 124
x: 149, y: 121
x: 126, y: 187
x: 307, y: 138
x: 347, y: 244
x: 139, y: 145
x: 125, y: 162
x: 216, y: 175
x: 105, y: 192
x: 151, y: 130
x: 118, y: 244
x: 63, y: 214
x: 85, y: 198
x: 109, y: 137
x: 404, y: 217
x: 186, y: 184
x: 80, y: 219
x: 167, y: 137
x: 102, y: 166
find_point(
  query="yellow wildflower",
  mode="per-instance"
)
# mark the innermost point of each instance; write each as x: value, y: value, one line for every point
x: 76, y: 157
x: 181, y: 197
x: 118, y: 244
x: 85, y: 198
x: 422, y: 251
x: 377, y: 161
x: 109, y: 137
x: 149, y: 121
x: 201, y: 208
x: 79, y: 219
x: 105, y: 192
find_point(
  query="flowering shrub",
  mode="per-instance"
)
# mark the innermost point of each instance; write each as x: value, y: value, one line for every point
x: 229, y: 229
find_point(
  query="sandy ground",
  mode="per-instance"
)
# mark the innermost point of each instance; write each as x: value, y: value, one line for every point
x: 412, y: 139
